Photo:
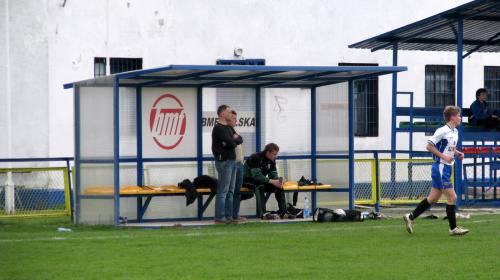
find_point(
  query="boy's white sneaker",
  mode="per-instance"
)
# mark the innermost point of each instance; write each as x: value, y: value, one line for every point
x: 462, y: 216
x: 458, y: 231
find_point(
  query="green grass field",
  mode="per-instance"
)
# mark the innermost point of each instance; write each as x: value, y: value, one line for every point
x: 374, y: 249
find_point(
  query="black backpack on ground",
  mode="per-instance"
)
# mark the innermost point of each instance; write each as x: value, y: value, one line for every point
x: 353, y: 216
x: 322, y: 215
x: 295, y: 211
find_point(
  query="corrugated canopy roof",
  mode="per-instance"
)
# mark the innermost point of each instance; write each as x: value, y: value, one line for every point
x: 239, y: 76
x: 481, y: 31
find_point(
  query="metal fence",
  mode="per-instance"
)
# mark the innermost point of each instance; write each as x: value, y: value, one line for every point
x: 35, y: 192
x: 481, y: 182
x: 46, y: 191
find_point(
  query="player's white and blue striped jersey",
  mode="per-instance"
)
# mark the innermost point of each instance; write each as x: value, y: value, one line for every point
x: 445, y: 140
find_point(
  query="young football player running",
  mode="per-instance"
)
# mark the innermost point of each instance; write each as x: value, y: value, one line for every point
x: 442, y: 145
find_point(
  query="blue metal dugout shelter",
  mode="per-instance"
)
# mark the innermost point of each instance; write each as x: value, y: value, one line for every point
x: 106, y: 141
x: 466, y: 29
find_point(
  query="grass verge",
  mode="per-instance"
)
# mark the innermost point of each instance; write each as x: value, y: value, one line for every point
x: 374, y: 249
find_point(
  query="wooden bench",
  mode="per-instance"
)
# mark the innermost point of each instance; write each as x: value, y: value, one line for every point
x: 145, y: 194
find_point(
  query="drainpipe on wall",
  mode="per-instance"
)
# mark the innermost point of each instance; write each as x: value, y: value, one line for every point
x: 9, y: 185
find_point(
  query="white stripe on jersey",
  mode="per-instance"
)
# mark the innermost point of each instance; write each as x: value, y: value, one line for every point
x: 445, y: 140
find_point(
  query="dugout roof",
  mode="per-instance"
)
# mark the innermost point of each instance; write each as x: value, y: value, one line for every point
x: 197, y: 76
x: 481, y: 31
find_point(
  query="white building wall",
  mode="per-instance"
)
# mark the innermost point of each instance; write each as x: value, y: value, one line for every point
x: 51, y: 44
x: 26, y: 65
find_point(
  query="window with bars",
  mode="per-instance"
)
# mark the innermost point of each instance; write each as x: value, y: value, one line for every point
x: 439, y: 85
x: 99, y: 66
x: 366, y: 122
x: 492, y: 84
x: 119, y: 65
x: 116, y: 65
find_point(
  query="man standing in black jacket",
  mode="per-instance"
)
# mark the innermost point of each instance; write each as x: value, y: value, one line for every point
x: 224, y: 141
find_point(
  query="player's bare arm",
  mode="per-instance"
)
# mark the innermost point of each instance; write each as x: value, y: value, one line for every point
x: 459, y: 154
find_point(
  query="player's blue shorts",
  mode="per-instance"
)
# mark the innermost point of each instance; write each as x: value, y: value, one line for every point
x: 441, y: 176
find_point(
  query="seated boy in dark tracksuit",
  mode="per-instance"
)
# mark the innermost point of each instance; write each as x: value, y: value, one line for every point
x: 260, y: 174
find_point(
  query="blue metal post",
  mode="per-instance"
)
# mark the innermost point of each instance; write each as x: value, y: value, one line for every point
x: 394, y: 98
x: 138, y: 123
x: 394, y: 105
x: 116, y: 153
x: 411, y: 123
x: 313, y: 144
x: 458, y: 163
x: 199, y: 129
x: 258, y: 126
x: 199, y: 148
x: 140, y: 162
x: 351, y: 145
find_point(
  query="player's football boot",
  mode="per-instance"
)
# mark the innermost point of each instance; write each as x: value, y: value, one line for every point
x: 409, y: 223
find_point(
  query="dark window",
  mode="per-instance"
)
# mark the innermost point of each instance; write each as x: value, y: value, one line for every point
x: 439, y: 88
x: 116, y: 65
x: 259, y: 61
x: 439, y: 85
x: 492, y: 84
x: 99, y: 66
x: 365, y: 104
x: 119, y: 65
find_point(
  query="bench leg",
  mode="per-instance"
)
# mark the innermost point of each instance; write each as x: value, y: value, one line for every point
x: 141, y: 209
x: 203, y: 206
x: 313, y: 202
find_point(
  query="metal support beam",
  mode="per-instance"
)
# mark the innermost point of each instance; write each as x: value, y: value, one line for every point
x: 487, y: 43
x: 313, y: 144
x: 116, y: 147
x: 458, y: 164
x: 394, y: 99
x: 199, y: 129
x: 138, y: 123
x: 351, y: 144
x: 258, y: 120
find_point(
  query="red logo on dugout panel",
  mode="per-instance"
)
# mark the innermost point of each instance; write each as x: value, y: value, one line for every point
x: 167, y: 121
